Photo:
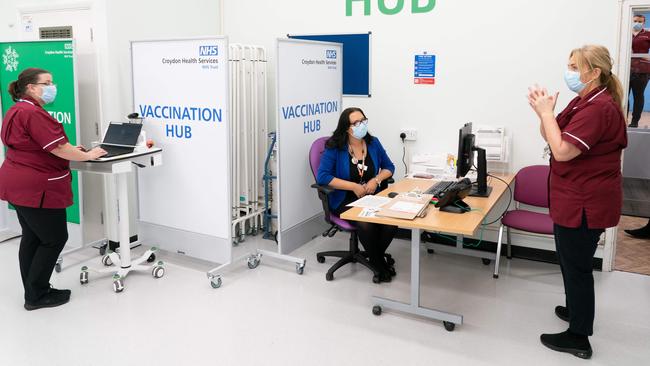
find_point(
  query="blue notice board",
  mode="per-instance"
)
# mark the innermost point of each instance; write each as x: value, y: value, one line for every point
x: 356, y: 60
x: 425, y: 69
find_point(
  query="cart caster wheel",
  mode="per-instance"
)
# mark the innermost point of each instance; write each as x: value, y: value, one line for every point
x: 118, y: 286
x: 83, y: 277
x: 486, y: 261
x: 253, y: 263
x: 215, y: 282
x: 158, y: 271
x: 300, y: 268
x: 495, y: 276
x: 329, y: 276
x: 320, y: 259
x: 449, y: 326
x: 152, y: 258
x: 254, y: 232
x: 106, y: 260
x: 102, y: 249
x: 430, y: 251
x: 242, y: 238
x: 376, y: 310
x: 375, y: 279
x: 235, y: 243
x: 57, y: 268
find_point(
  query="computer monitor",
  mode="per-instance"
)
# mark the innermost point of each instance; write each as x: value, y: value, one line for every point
x: 465, y: 151
x: 466, y: 148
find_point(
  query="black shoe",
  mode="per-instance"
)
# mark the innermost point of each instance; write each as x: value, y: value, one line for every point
x: 381, y: 267
x: 633, y: 125
x: 577, y: 345
x: 562, y: 312
x: 49, y: 300
x: 389, y: 268
x: 641, y: 233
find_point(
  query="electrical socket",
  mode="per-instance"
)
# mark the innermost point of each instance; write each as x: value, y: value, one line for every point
x: 411, y: 134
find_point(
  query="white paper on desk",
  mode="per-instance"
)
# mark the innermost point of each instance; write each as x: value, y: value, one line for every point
x: 370, y: 202
x: 368, y: 212
x: 408, y: 207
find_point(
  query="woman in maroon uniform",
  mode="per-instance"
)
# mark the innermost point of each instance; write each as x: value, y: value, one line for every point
x: 586, y: 141
x: 35, y: 178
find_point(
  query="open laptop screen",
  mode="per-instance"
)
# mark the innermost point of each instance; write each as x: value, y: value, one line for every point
x: 122, y: 134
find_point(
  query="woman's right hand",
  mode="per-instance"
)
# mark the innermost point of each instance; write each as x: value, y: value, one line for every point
x: 359, y: 190
x: 95, y: 153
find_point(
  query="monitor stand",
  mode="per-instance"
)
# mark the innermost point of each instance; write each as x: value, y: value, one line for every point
x: 481, y: 189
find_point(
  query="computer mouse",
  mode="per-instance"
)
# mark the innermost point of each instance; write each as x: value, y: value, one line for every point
x: 392, y: 194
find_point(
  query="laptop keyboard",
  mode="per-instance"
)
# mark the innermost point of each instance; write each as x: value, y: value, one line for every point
x: 116, y: 150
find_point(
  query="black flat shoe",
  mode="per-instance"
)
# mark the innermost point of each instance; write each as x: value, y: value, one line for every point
x: 568, y: 342
x: 49, y: 300
x: 62, y: 292
x: 562, y: 312
x: 642, y: 233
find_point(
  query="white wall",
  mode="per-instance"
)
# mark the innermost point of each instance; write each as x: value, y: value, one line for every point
x: 488, y: 54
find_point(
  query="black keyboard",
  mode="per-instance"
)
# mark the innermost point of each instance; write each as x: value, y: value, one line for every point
x: 116, y: 150
x: 439, y: 187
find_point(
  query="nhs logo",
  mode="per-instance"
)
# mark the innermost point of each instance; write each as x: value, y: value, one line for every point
x: 330, y: 54
x: 208, y: 50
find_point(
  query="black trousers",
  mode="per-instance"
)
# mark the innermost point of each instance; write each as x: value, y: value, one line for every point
x: 375, y: 238
x: 45, y: 233
x: 638, y: 83
x: 575, y: 250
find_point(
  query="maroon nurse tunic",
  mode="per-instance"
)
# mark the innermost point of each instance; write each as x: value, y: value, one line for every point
x: 591, y: 182
x: 31, y: 176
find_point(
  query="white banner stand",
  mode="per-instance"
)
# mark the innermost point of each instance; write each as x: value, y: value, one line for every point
x: 309, y: 97
x: 180, y: 88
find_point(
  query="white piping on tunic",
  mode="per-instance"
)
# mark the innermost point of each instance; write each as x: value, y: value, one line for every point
x: 59, y: 139
x: 61, y: 177
x: 594, y: 97
x: 582, y: 142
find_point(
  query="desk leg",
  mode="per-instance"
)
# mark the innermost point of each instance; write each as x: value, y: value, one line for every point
x: 414, y: 307
x: 123, y: 219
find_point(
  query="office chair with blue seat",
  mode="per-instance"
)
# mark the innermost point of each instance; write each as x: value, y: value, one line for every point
x: 353, y: 254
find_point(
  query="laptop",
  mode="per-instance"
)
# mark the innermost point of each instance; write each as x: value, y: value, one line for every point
x: 120, y: 139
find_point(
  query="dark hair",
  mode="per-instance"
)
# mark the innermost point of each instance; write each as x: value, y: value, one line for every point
x: 340, y: 137
x: 28, y: 76
x: 639, y: 16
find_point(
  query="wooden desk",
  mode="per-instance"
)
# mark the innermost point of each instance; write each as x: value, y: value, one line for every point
x: 436, y: 221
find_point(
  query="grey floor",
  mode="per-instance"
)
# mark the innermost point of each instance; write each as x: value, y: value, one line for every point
x: 272, y: 316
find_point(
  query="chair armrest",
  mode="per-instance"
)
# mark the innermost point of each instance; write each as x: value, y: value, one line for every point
x: 324, y: 189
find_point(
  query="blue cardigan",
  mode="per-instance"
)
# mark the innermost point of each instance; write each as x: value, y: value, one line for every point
x: 335, y: 163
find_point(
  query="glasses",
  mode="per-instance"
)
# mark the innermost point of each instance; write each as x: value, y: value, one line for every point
x: 358, y: 123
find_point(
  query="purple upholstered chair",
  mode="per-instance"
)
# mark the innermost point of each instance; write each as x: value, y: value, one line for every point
x: 352, y: 255
x: 531, y: 188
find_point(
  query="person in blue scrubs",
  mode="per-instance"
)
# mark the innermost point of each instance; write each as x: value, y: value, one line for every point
x: 355, y: 163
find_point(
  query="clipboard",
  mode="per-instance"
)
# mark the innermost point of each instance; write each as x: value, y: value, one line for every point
x: 406, y: 207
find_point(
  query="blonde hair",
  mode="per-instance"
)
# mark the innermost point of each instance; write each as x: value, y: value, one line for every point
x: 598, y: 57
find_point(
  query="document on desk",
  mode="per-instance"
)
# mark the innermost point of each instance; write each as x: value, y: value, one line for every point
x: 405, y: 208
x: 370, y: 202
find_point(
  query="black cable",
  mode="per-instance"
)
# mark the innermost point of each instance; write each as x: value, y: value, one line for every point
x: 509, y: 201
x: 404, y: 160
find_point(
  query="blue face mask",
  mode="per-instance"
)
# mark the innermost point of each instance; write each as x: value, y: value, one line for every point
x: 572, y: 79
x: 360, y: 131
x: 49, y: 93
x: 637, y: 26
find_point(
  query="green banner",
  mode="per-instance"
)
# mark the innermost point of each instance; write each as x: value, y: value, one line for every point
x: 58, y: 58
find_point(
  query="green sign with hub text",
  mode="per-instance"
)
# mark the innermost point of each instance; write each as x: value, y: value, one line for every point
x: 58, y: 58
x: 388, y: 7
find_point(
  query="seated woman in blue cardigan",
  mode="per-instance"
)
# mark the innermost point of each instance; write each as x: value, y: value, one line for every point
x: 354, y: 163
